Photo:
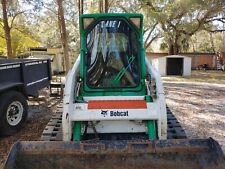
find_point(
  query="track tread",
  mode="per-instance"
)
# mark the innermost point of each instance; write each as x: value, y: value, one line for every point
x: 174, y: 129
x: 53, y: 130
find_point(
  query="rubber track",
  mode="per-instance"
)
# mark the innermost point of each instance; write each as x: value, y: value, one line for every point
x: 53, y: 130
x: 174, y: 129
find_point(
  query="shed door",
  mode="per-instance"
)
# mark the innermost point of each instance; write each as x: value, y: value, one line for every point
x: 175, y: 66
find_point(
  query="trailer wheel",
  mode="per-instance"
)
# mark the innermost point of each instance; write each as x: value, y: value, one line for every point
x: 13, y: 112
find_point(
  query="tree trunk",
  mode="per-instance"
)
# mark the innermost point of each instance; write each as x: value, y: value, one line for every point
x: 81, y: 7
x: 103, y: 6
x: 170, y: 47
x: 80, y: 4
x: 106, y: 5
x: 173, y: 46
x: 100, y: 6
x: 212, y: 43
x: 62, y: 28
x: 7, y: 29
x: 176, y: 47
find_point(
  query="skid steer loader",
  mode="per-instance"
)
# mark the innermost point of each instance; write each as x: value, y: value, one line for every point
x: 114, y: 110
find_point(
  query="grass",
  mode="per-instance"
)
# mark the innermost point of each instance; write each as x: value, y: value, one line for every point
x: 209, y: 76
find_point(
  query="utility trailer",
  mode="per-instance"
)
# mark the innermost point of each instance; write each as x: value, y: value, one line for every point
x: 19, y: 78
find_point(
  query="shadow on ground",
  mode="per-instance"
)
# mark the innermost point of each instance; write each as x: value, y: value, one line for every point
x: 200, y: 108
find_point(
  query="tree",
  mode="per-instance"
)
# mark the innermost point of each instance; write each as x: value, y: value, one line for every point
x: 204, y: 41
x: 62, y: 28
x: 80, y: 6
x: 179, y: 20
x: 14, y: 23
x: 103, y: 6
x: 151, y: 25
x: 49, y: 29
x: 7, y: 29
x: 20, y: 41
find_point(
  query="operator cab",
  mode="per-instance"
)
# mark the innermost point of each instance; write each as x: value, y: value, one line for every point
x: 112, y: 58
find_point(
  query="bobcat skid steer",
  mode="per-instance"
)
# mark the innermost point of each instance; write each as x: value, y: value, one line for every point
x: 114, y: 111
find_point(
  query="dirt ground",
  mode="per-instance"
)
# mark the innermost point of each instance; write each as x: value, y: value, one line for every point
x: 197, y: 101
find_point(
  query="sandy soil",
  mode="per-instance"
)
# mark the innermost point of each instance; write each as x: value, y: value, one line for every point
x: 199, y: 103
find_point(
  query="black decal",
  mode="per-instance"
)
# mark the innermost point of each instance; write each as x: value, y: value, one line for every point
x: 119, y: 113
x: 104, y: 112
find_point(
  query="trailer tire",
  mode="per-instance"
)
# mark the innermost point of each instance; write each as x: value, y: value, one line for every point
x: 13, y: 112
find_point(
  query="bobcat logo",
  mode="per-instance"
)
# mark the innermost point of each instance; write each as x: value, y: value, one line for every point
x: 104, y: 112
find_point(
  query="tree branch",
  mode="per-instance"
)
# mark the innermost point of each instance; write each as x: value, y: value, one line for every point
x: 14, y: 17
x: 2, y: 36
x: 1, y: 22
x: 55, y: 12
x: 124, y: 9
x: 216, y: 19
x: 150, y: 32
x: 217, y: 30
x: 150, y: 42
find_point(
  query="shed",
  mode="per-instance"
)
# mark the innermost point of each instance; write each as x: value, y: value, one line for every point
x: 197, y: 59
x: 172, y: 65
